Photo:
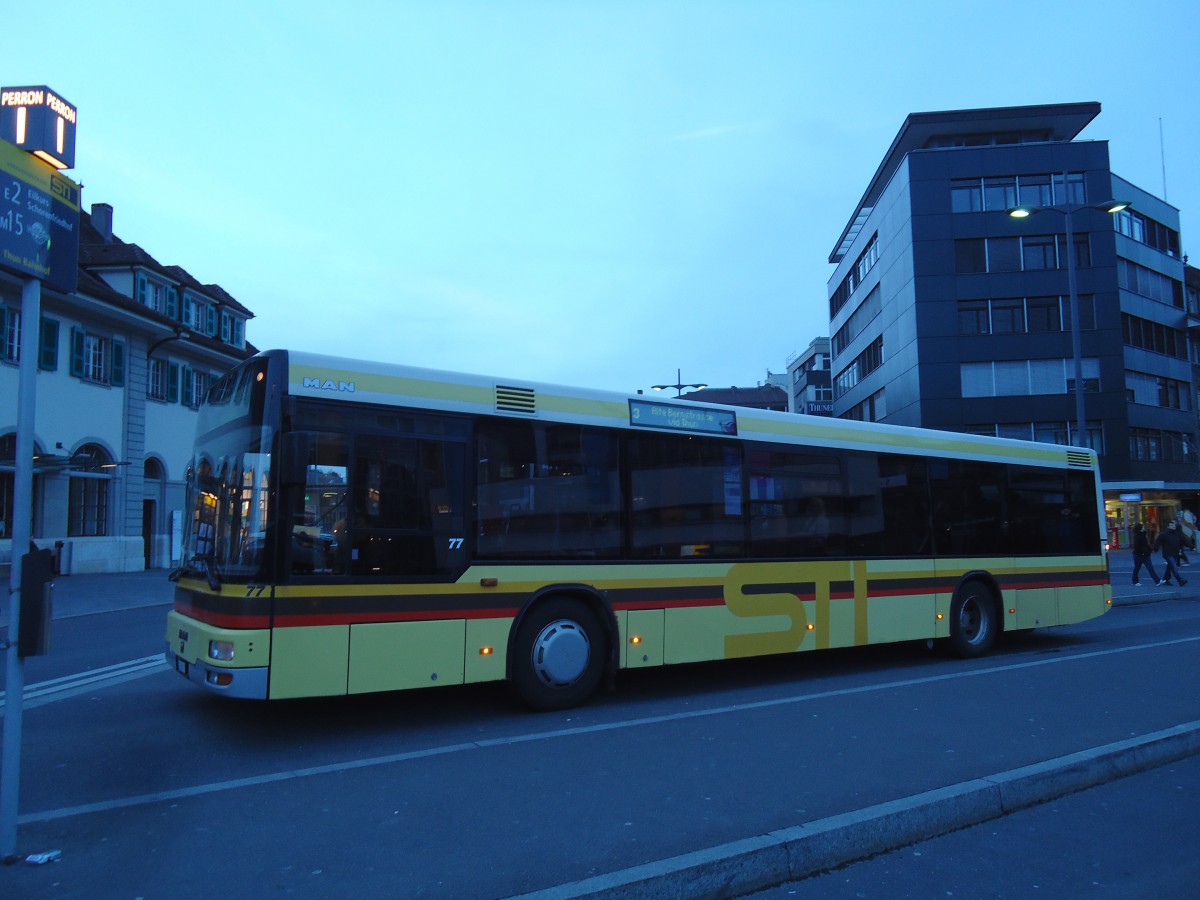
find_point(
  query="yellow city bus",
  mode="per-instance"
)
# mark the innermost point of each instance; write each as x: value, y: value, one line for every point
x: 356, y: 527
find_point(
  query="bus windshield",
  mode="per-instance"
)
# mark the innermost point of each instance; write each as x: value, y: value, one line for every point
x: 228, y: 497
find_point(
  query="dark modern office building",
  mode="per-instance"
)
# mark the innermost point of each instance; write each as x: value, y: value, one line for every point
x: 947, y: 312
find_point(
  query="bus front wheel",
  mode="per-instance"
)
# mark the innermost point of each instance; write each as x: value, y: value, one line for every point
x: 559, y: 655
x: 974, y: 620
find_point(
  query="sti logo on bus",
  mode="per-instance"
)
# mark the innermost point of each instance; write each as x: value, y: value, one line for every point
x: 329, y: 384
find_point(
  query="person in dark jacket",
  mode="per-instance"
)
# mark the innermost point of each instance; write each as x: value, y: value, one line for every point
x: 1141, y: 554
x: 1168, y: 544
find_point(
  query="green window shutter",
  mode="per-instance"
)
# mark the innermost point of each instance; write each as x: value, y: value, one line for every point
x: 117, y: 378
x: 172, y: 303
x: 186, y: 398
x: 77, y: 352
x: 141, y: 290
x: 173, y: 383
x: 48, y: 346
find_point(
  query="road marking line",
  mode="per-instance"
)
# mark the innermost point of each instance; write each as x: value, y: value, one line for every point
x: 512, y: 740
x: 44, y: 692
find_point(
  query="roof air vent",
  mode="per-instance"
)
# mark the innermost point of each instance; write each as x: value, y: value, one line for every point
x: 1079, y: 459
x: 515, y: 399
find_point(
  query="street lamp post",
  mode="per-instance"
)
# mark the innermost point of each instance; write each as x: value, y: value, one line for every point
x: 178, y: 333
x: 1068, y: 209
x: 677, y: 386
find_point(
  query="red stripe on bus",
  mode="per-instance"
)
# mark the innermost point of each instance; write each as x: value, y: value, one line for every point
x: 303, y: 620
x: 222, y: 620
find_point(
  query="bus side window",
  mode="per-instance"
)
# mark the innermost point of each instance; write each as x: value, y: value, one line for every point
x: 408, y: 509
x: 319, y: 520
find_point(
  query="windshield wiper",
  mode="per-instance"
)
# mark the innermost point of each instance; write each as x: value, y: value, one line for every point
x: 204, y: 568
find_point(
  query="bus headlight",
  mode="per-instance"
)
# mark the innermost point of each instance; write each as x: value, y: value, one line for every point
x: 222, y: 650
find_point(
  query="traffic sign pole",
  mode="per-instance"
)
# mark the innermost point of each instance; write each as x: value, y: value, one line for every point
x: 22, y: 534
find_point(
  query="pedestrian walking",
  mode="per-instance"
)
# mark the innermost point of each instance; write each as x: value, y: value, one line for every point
x: 1168, y: 544
x: 1142, y: 554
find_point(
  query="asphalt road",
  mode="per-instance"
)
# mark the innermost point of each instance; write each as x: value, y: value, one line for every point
x: 151, y: 788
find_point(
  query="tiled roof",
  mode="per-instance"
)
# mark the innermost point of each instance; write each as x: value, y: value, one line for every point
x: 96, y: 252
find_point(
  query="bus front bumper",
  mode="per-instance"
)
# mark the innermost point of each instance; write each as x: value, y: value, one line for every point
x: 246, y: 684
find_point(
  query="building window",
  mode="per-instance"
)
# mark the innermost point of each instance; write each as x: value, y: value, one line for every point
x: 1043, y: 314
x: 1149, y: 283
x: 1152, y: 445
x: 864, y: 364
x: 152, y: 294
x: 966, y: 195
x: 10, y: 340
x: 195, y: 387
x: 1025, y: 377
x: 156, y: 380
x: 1008, y: 317
x: 97, y: 359
x: 1039, y: 252
x: 48, y: 346
x: 1147, y: 231
x: 1043, y: 432
x: 873, y: 409
x: 998, y: 193
x: 1035, y: 190
x: 1155, y: 390
x: 87, y: 500
x: 859, y: 319
x: 10, y: 335
x: 1153, y: 336
x: 1034, y: 315
x: 1017, y: 254
x: 858, y: 273
x: 974, y: 317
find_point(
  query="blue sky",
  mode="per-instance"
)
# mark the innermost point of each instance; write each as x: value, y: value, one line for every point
x: 592, y: 193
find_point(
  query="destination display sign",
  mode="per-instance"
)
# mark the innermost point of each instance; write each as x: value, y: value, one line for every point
x: 700, y: 419
x: 39, y: 220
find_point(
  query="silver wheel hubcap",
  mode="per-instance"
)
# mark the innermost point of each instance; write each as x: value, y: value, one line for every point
x: 560, y: 653
x: 972, y: 621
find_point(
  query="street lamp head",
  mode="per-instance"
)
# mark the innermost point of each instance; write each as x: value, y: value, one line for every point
x: 1111, y: 207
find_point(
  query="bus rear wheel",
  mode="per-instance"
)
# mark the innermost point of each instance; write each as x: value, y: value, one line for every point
x: 974, y: 620
x: 559, y: 655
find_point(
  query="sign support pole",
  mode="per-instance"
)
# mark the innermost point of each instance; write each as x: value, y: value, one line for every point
x: 22, y: 533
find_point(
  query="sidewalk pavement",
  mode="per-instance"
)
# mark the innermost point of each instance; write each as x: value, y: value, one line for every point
x: 83, y: 595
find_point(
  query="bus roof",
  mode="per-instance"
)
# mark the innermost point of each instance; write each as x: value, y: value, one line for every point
x: 388, y: 384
